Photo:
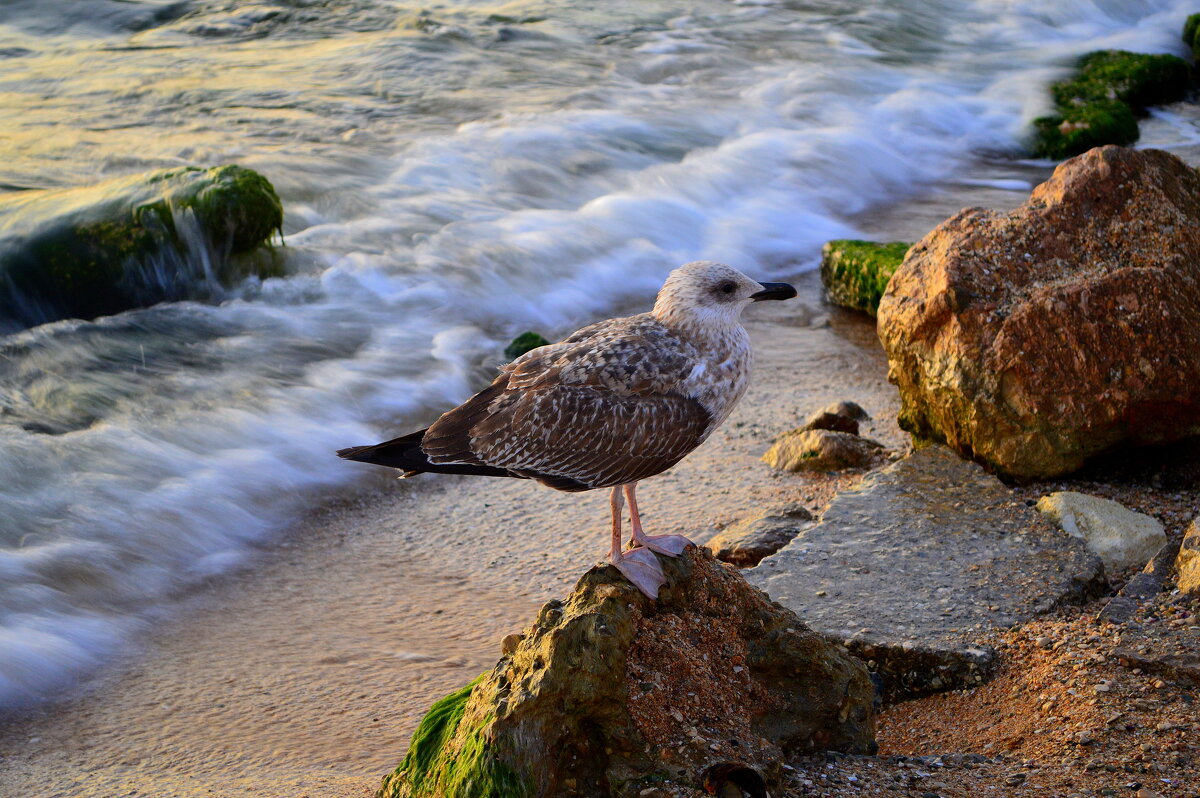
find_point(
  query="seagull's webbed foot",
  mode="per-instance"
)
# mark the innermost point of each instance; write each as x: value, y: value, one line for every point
x: 640, y: 567
x: 670, y: 545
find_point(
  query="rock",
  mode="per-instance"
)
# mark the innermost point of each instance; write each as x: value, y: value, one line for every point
x: 1035, y: 339
x: 831, y: 422
x: 1143, y: 587
x: 919, y: 564
x: 1178, y: 666
x: 523, y: 343
x: 821, y: 450
x: 855, y: 273
x: 838, y: 417
x: 1191, y: 27
x: 131, y: 242
x: 1187, y: 562
x: 1121, y: 538
x: 851, y: 410
x: 589, y: 703
x: 745, y: 542
x: 1100, y: 103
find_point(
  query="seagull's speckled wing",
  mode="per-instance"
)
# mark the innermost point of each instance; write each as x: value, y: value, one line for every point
x: 600, y: 408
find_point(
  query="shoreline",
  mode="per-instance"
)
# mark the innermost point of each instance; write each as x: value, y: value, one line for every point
x: 306, y: 673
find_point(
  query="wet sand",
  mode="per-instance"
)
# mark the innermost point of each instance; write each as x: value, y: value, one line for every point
x: 306, y: 675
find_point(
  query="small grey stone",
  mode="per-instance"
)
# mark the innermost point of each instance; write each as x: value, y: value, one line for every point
x: 745, y: 542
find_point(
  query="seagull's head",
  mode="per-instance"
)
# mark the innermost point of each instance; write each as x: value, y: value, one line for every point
x: 710, y: 295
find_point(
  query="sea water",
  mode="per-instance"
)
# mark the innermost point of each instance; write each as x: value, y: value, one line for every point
x: 453, y: 174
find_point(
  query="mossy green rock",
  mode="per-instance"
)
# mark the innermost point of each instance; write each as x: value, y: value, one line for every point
x: 1191, y: 27
x: 610, y: 692
x: 856, y: 273
x: 1100, y: 103
x: 523, y: 343
x: 1080, y: 128
x: 131, y: 242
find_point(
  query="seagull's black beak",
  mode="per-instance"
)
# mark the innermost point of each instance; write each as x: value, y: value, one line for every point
x: 774, y: 291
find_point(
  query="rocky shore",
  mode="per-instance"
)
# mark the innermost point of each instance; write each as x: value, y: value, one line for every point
x: 979, y: 641
x: 962, y: 595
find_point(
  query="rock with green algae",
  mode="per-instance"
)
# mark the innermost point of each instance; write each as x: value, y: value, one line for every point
x: 1099, y: 104
x: 525, y: 342
x: 610, y: 693
x: 131, y: 242
x: 856, y: 273
x: 1191, y: 27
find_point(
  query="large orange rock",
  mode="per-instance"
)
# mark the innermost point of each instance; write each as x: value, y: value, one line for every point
x: 1034, y: 339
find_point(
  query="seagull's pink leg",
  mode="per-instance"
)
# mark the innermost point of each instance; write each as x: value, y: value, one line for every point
x: 639, y: 565
x: 670, y: 545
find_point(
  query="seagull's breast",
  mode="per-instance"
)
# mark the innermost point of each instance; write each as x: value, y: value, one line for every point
x: 720, y: 375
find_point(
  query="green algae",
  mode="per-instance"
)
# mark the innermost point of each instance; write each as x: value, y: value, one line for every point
x: 1191, y: 27
x: 132, y: 241
x: 445, y: 760
x: 1080, y: 128
x: 1100, y: 103
x: 524, y: 343
x: 1136, y: 79
x: 856, y: 273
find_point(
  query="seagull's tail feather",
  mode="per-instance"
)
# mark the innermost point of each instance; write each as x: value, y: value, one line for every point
x: 405, y: 454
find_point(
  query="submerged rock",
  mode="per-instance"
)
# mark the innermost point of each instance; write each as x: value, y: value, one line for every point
x: 1121, y: 538
x: 745, y: 542
x: 1034, y: 339
x: 610, y: 693
x: 1099, y: 104
x: 525, y: 342
x: 821, y: 450
x: 1191, y: 29
x: 915, y: 568
x: 856, y: 273
x: 1187, y: 562
x: 130, y: 242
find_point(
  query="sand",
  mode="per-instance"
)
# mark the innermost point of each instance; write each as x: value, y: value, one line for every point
x: 306, y: 674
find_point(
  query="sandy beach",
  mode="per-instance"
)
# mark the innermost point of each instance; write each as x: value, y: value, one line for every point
x: 306, y: 674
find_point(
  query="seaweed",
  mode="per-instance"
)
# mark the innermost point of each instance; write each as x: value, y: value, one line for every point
x: 1100, y: 103
x: 523, y: 343
x: 856, y: 273
x: 445, y: 759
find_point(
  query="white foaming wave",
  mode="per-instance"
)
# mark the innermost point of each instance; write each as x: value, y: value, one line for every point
x: 542, y: 221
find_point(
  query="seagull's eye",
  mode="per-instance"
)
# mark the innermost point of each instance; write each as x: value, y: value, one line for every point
x: 727, y: 288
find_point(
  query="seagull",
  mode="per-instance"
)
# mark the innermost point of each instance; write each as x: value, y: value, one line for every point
x: 608, y: 406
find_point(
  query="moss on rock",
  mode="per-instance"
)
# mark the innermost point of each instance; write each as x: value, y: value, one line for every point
x: 1191, y: 27
x: 856, y: 273
x: 1080, y: 128
x: 447, y: 757
x: 1136, y: 79
x: 523, y: 343
x: 1100, y: 103
x: 571, y: 708
x: 131, y: 242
